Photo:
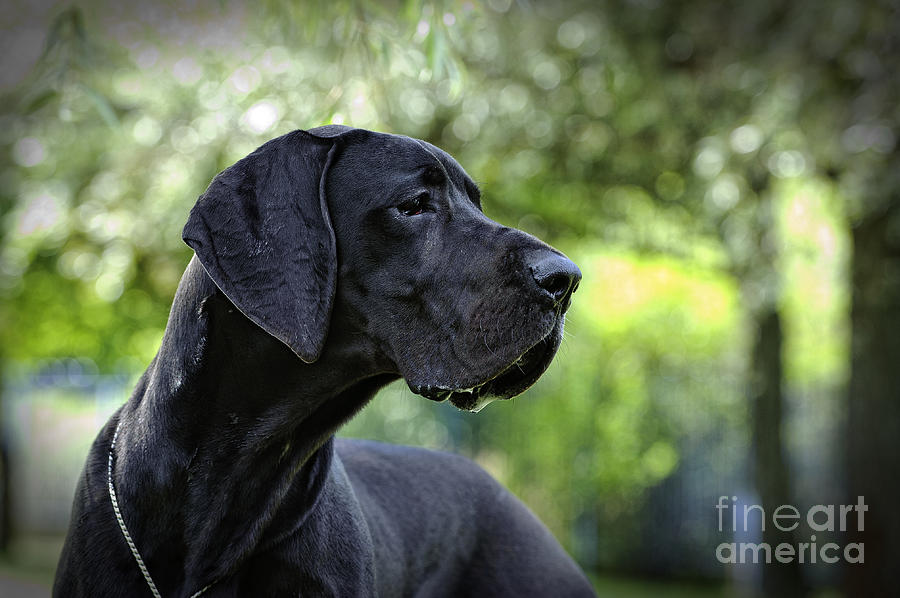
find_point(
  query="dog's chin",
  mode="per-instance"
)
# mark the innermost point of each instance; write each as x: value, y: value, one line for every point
x: 511, y: 380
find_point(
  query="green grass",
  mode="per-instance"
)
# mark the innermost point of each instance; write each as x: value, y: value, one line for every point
x: 630, y: 587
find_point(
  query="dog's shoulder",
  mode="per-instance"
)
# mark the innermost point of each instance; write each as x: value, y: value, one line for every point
x: 409, y: 483
x: 380, y: 462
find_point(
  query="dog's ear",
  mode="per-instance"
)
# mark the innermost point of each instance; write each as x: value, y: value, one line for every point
x: 263, y: 234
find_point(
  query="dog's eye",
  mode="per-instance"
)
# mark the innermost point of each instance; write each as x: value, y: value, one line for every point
x: 414, y: 206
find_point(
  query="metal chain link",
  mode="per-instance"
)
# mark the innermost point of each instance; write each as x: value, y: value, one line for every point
x: 128, y: 540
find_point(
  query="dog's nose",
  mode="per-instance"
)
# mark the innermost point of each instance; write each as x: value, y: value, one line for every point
x: 556, y: 274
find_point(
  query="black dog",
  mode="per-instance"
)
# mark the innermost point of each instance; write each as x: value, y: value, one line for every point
x: 328, y: 263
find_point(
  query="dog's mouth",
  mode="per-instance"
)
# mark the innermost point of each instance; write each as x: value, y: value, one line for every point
x: 510, y: 381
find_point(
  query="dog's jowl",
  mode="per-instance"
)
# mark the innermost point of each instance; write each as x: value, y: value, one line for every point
x: 327, y: 263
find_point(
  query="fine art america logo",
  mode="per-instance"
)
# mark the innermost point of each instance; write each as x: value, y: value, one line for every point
x: 752, y: 520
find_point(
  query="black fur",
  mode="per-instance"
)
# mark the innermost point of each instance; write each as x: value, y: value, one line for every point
x: 328, y: 263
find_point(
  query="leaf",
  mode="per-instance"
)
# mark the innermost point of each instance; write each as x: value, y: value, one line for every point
x: 39, y: 100
x: 436, y: 52
x: 104, y: 108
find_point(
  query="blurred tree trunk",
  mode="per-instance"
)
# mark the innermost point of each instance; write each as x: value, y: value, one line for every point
x: 761, y: 288
x: 771, y: 474
x: 873, y: 423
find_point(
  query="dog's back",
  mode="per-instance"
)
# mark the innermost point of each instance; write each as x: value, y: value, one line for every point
x: 445, y: 527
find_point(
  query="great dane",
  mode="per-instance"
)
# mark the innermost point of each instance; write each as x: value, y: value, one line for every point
x: 326, y: 264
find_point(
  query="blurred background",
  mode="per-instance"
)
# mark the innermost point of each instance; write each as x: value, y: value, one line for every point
x: 725, y: 174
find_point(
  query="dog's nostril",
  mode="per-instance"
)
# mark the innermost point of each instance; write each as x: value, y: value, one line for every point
x: 557, y: 285
x: 557, y: 275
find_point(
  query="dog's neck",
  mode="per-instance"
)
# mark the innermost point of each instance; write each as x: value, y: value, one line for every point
x: 240, y: 439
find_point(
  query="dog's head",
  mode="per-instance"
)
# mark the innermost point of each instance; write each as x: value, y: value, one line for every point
x: 386, y: 234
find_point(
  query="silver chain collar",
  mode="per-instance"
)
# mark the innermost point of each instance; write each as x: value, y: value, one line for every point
x: 134, y: 551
